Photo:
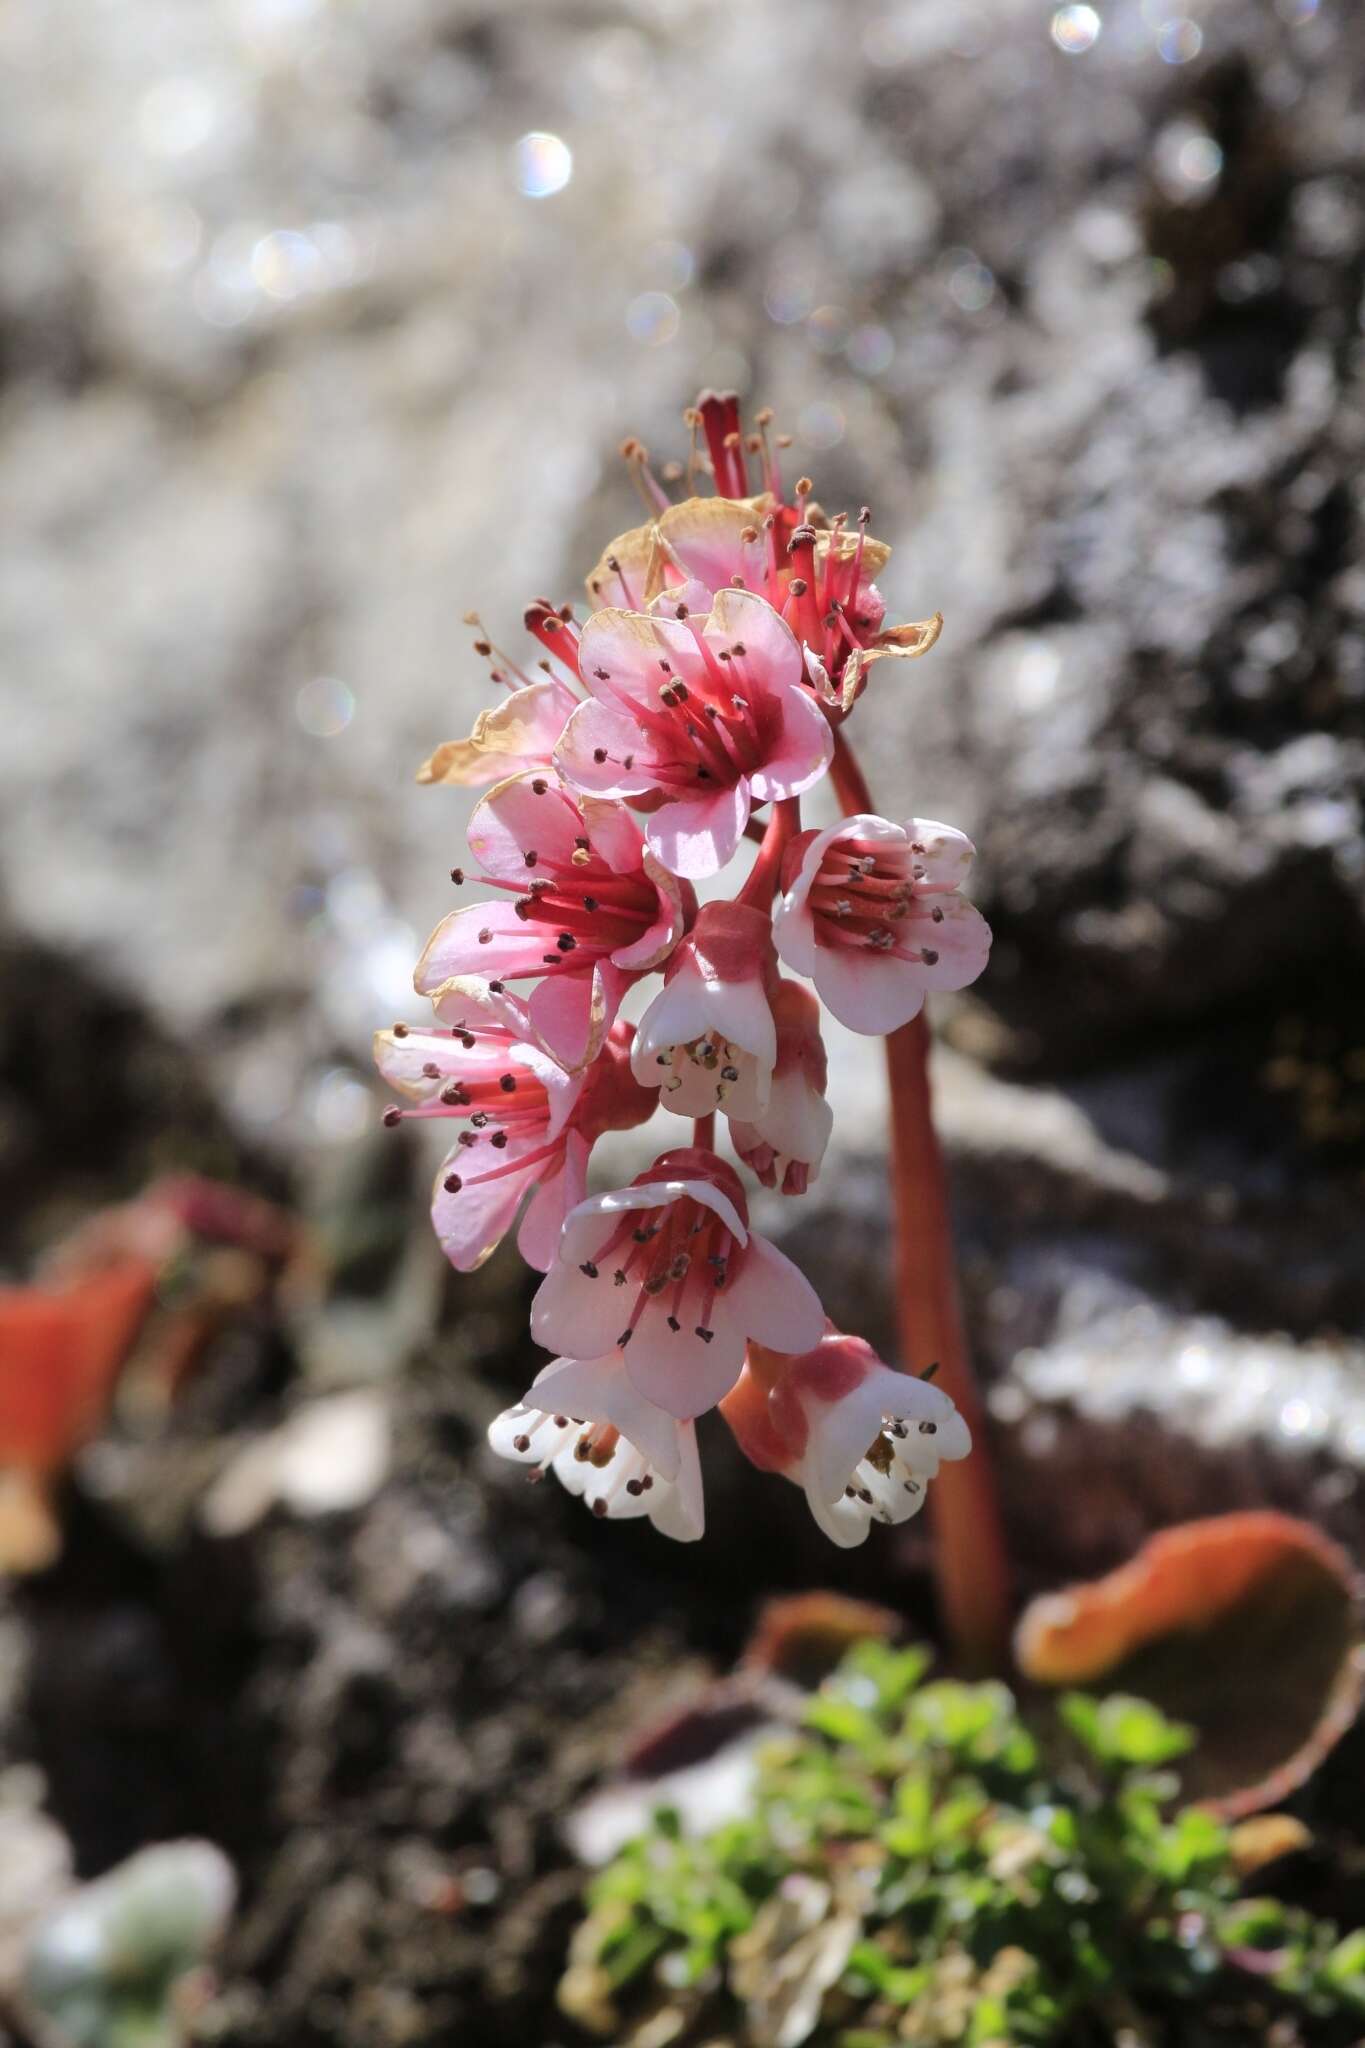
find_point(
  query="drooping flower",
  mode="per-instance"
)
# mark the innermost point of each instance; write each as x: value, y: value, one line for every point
x: 667, y: 1272
x: 520, y: 733
x: 784, y: 1141
x: 872, y: 916
x: 861, y: 1440
x: 708, y: 1040
x: 817, y: 573
x: 584, y: 1421
x: 527, y: 1125
x: 591, y: 909
x: 701, y: 715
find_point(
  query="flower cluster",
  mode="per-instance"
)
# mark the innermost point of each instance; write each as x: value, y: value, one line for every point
x: 702, y: 695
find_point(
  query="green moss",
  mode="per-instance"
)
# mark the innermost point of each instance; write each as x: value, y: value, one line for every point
x: 919, y: 1868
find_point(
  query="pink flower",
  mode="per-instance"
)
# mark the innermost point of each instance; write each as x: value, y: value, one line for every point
x: 814, y: 571
x: 872, y: 916
x: 861, y: 1440
x: 700, y: 715
x: 520, y: 733
x: 528, y: 1125
x: 667, y: 1273
x: 708, y: 1039
x: 784, y: 1141
x: 592, y: 909
x: 605, y: 1442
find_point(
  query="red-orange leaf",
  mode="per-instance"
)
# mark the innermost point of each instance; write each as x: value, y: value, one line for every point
x: 60, y: 1354
x: 1246, y: 1625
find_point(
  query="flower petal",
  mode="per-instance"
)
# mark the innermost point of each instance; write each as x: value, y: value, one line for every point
x: 525, y: 814
x: 483, y: 939
x: 596, y: 744
x: 521, y: 732
x: 868, y: 994
x: 471, y: 1223
x: 681, y: 1372
x: 774, y: 1300
x: 802, y: 754
x: 696, y: 836
x: 571, y: 1014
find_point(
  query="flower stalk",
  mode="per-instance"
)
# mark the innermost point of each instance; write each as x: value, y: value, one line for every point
x: 726, y: 642
x: 970, y: 1561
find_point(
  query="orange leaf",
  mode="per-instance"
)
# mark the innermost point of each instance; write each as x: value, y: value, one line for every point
x: 1246, y: 1625
x: 60, y: 1355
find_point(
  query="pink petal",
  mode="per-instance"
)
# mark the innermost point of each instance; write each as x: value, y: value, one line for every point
x: 562, y: 1189
x: 702, y: 536
x: 773, y: 1300
x: 572, y: 1013
x: 577, y: 1316
x: 947, y: 857
x: 620, y: 652
x: 457, y: 947
x: 653, y: 947
x: 615, y: 836
x: 680, y: 1513
x: 469, y: 1001
x: 599, y: 1390
x: 679, y: 1371
x: 801, y: 756
x: 521, y: 732
x: 472, y: 1223
x: 513, y: 820
x: 697, y: 836
x: 962, y: 941
x: 868, y: 993
x: 772, y: 656
x: 601, y: 730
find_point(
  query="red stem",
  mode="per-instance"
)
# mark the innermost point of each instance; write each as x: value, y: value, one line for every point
x: 760, y: 884
x: 704, y: 1132
x: 970, y: 1558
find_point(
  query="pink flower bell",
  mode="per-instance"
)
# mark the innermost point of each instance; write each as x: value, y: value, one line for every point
x: 708, y: 1040
x: 872, y: 916
x: 701, y: 715
x: 584, y: 1421
x: 784, y: 1141
x: 528, y: 1125
x: 667, y: 1273
x: 861, y: 1440
x: 591, y: 909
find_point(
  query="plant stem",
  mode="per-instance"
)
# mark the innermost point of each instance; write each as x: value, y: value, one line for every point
x: 704, y: 1132
x: 969, y: 1550
x: 761, y: 882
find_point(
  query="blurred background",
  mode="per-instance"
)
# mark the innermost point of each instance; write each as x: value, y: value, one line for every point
x: 320, y: 325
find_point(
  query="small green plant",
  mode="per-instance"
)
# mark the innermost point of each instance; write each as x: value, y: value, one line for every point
x: 920, y: 1867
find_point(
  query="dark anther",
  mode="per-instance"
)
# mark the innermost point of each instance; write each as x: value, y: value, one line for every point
x: 392, y: 1115
x: 705, y: 1334
x: 540, y: 785
x: 635, y: 1487
x: 507, y: 1083
x: 457, y: 877
x: 430, y: 1071
x: 566, y: 942
x: 929, y: 956
x: 521, y: 1443
x: 599, y: 755
x: 495, y: 988
x: 400, y: 1030
x: 498, y: 1140
x: 588, y: 1268
x: 485, y: 937
x: 452, y: 1183
x: 531, y: 858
